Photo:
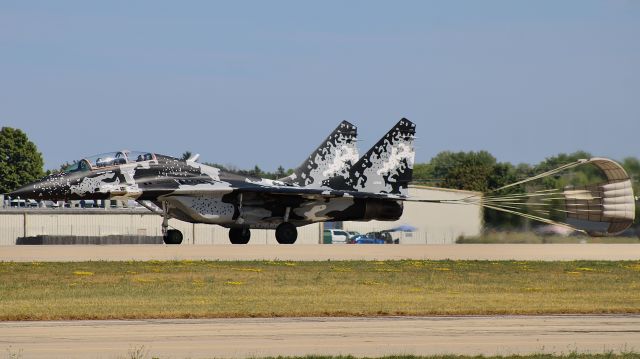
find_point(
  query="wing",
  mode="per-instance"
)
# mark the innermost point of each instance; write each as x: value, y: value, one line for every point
x: 273, y: 188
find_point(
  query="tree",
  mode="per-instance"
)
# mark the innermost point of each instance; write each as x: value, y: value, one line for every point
x: 464, y: 170
x: 280, y: 172
x: 186, y: 155
x: 423, y: 173
x: 476, y: 171
x: 255, y: 172
x: 577, y: 176
x: 20, y: 161
x: 560, y: 159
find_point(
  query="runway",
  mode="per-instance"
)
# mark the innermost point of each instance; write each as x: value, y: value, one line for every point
x: 537, y: 252
x: 240, y: 338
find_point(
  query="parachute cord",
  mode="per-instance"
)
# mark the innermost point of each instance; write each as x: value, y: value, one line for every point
x: 511, y: 209
x: 542, y: 175
x: 536, y: 218
x: 524, y: 195
x: 517, y: 203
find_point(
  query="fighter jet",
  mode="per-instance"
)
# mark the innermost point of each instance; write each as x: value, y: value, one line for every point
x: 332, y: 184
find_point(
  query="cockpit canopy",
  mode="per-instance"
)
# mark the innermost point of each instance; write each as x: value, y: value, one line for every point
x: 109, y: 159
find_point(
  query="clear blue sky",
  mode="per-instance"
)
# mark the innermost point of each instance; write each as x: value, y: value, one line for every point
x: 262, y: 82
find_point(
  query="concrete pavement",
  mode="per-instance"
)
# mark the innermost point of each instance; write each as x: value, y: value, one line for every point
x: 240, y: 338
x: 540, y: 252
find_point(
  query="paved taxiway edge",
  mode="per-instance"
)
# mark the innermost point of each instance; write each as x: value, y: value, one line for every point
x: 536, y: 252
x: 376, y: 336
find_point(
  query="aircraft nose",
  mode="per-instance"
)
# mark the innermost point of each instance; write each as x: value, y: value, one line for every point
x: 48, y: 188
x: 25, y: 192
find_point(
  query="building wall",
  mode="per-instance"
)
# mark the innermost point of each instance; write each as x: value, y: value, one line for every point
x: 435, y: 223
x: 28, y: 223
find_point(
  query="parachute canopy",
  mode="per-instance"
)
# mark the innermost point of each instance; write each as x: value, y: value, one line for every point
x: 611, y: 202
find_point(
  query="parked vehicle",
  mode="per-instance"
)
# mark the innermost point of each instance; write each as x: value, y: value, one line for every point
x: 23, y: 203
x: 18, y: 203
x: 352, y: 235
x: 363, y: 239
x: 337, y: 236
x: 384, y: 235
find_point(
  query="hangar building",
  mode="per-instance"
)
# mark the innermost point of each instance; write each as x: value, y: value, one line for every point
x: 434, y: 223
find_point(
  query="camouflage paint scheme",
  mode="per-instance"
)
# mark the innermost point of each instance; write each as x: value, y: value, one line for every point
x: 333, y: 158
x: 331, y: 185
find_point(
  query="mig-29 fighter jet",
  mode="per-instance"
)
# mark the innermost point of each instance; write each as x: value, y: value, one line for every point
x: 331, y: 185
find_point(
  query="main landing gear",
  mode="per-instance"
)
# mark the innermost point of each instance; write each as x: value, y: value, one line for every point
x: 239, y: 235
x: 169, y: 236
x: 286, y: 233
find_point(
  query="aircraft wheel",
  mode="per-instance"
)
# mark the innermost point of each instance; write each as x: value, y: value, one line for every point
x: 173, y: 236
x: 239, y: 235
x: 286, y: 233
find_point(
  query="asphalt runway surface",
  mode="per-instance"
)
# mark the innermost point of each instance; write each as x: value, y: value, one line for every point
x: 241, y: 338
x: 539, y: 252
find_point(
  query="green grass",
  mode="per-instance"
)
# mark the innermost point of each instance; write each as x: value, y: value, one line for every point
x: 195, y: 289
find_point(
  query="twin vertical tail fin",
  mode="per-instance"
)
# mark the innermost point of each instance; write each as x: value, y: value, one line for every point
x: 333, y: 158
x: 386, y: 168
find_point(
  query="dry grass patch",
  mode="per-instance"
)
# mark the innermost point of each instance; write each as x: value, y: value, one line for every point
x: 201, y: 289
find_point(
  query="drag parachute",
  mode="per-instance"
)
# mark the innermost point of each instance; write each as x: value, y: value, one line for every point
x: 603, y: 207
x: 611, y: 202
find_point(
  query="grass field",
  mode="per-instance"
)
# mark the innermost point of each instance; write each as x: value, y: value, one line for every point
x: 188, y: 289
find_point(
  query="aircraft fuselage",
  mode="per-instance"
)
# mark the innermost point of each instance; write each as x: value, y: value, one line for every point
x: 199, y: 193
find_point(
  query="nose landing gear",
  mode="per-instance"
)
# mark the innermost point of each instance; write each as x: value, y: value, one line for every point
x: 169, y: 236
x: 172, y: 236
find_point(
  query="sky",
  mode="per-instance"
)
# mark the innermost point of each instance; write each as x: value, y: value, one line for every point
x: 257, y: 82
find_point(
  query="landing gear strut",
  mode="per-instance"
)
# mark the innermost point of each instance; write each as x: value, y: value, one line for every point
x: 286, y: 233
x: 239, y: 235
x: 169, y: 236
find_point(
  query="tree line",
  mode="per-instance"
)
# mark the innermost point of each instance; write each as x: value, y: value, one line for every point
x: 256, y: 171
x: 480, y: 171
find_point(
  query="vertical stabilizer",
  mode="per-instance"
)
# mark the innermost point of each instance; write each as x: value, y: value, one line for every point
x: 386, y: 168
x: 333, y: 158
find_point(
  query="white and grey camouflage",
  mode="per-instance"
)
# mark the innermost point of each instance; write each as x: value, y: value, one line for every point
x: 329, y: 186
